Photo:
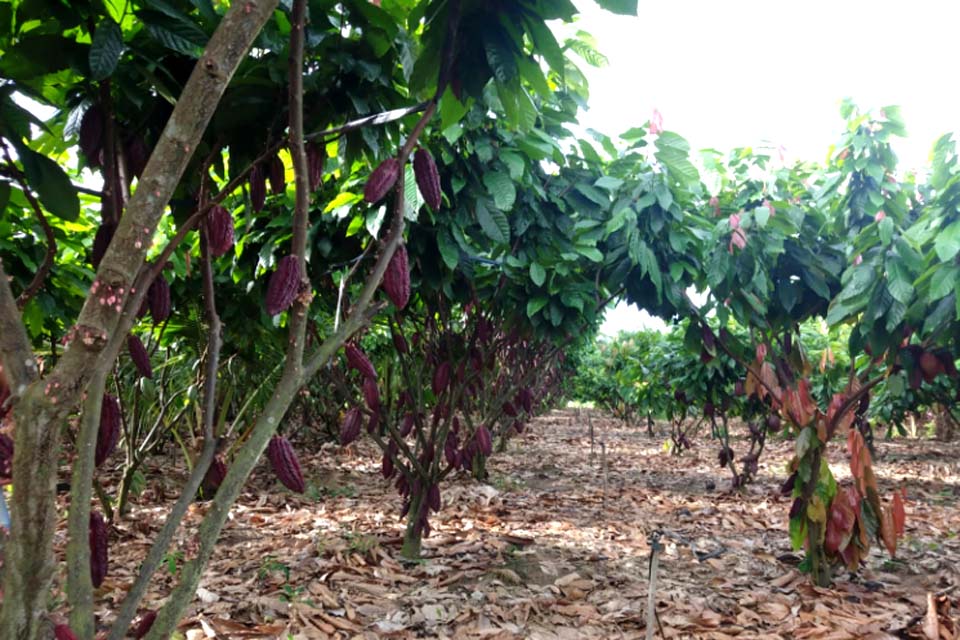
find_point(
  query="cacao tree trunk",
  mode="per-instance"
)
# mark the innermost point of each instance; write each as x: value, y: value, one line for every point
x: 413, y: 534
x: 40, y: 407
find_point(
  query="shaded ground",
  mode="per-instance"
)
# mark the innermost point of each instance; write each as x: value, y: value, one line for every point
x: 555, y: 548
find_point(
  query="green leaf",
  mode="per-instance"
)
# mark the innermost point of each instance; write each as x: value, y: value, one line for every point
x: 106, y: 49
x: 886, y: 230
x: 451, y: 109
x: 899, y: 283
x: 623, y: 7
x: 175, y: 34
x: 411, y: 195
x: 500, y: 55
x: 537, y: 273
x: 51, y: 183
x: 535, y: 304
x: 942, y: 282
x: 590, y: 253
x: 493, y: 223
x: 546, y: 44
x: 4, y: 195
x: 947, y: 244
x: 501, y: 187
x: 448, y: 249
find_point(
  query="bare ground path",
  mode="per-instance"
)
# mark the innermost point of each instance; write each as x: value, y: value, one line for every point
x: 554, y: 548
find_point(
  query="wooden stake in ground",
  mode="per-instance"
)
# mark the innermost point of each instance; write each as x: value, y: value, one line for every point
x: 655, y: 549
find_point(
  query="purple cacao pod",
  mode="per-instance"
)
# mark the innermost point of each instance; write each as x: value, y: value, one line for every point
x: 6, y: 457
x: 428, y: 178
x: 386, y: 466
x: 358, y: 360
x: 484, y: 440
x: 285, y: 464
x: 371, y: 394
x: 407, y: 425
x: 284, y: 285
x: 433, y: 498
x: 381, y: 181
x: 147, y: 618
x: 158, y: 299
x: 396, y: 279
x: 137, y: 153
x: 350, y: 428
x: 509, y: 409
x: 278, y: 184
x: 315, y: 159
x: 101, y: 240
x: 91, y: 135
x: 139, y: 355
x: 441, y: 378
x: 64, y: 632
x: 400, y: 344
x: 109, y: 432
x: 258, y: 188
x: 213, y: 478
x: 99, y: 540
x: 220, y: 231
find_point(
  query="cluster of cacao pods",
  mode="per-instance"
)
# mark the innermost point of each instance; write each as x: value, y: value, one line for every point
x: 286, y: 466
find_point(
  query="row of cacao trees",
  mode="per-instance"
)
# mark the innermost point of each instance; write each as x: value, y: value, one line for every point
x: 184, y: 301
x: 491, y: 269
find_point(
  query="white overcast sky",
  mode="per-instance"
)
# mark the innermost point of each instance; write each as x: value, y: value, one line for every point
x: 725, y: 74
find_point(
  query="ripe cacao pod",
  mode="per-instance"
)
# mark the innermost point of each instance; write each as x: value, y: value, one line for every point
x: 428, y: 178
x: 358, y: 360
x: 396, y: 279
x: 98, y: 538
x: 441, y: 378
x: 386, y: 466
x: 158, y: 299
x: 381, y: 181
x: 450, y: 448
x: 484, y: 440
x: 350, y: 428
x: 139, y: 355
x: 101, y: 240
x: 64, y: 632
x: 91, y: 135
x: 526, y: 400
x: 6, y: 458
x: 400, y: 344
x: 213, y: 478
x: 137, y: 154
x: 220, y: 231
x: 509, y: 409
x: 371, y: 394
x: 284, y: 285
x: 315, y: 159
x: 285, y: 465
x: 258, y: 188
x: 407, y: 425
x: 433, y: 498
x: 147, y: 618
x: 930, y: 365
x: 739, y: 389
x: 109, y: 432
x: 278, y: 184
x: 787, y: 487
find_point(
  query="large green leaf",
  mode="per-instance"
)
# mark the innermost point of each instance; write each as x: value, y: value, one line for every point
x: 501, y: 187
x: 51, y: 183
x: 493, y: 223
x: 105, y: 50
x: 624, y: 7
